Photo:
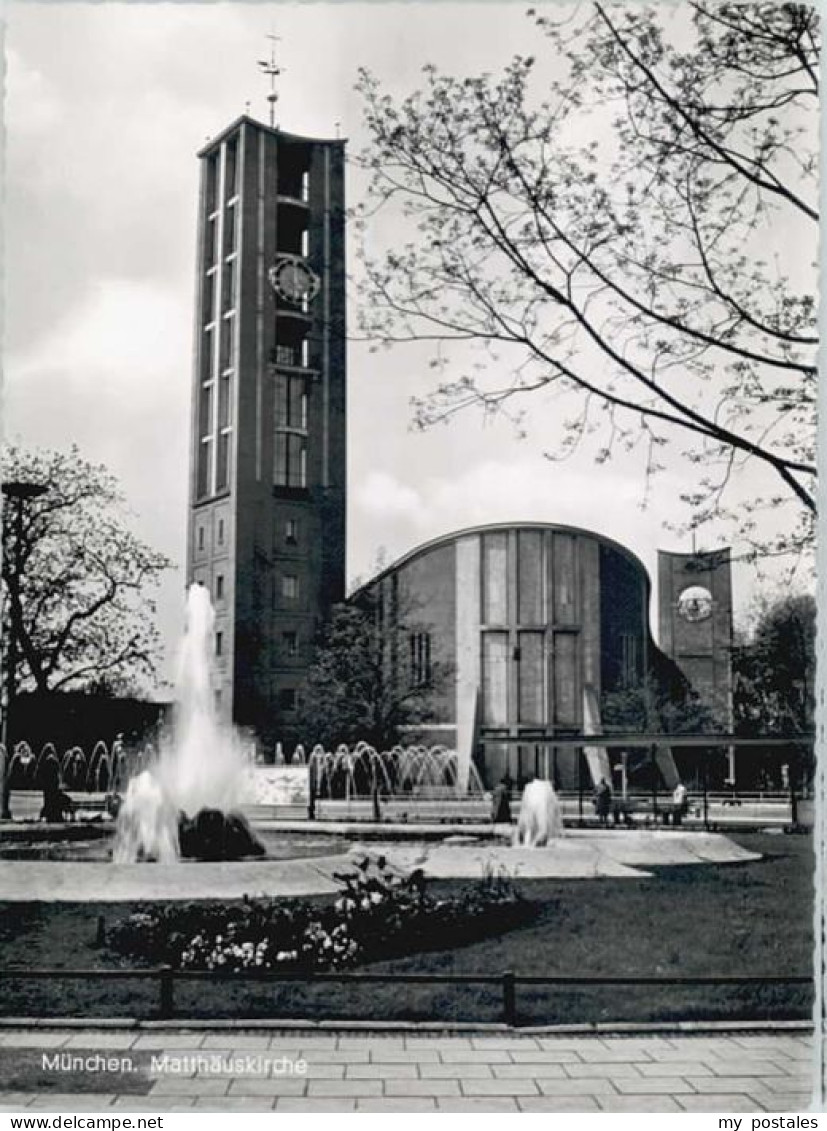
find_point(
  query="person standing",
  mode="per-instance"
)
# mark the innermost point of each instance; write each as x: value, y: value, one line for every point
x: 680, y: 803
x: 501, y: 802
x: 603, y: 801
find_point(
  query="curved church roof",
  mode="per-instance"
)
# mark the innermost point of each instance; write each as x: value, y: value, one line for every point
x: 494, y: 527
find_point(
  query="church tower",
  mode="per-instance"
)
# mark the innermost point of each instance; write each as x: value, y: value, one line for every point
x: 268, y: 453
x: 695, y: 600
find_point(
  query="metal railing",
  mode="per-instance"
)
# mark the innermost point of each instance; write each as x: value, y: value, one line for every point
x: 508, y: 982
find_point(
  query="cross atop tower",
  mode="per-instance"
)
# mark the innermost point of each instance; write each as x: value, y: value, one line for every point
x: 271, y: 68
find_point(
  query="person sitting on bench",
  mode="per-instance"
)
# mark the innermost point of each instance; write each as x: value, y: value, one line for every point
x: 679, y: 807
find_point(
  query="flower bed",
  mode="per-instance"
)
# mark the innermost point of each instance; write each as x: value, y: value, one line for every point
x: 379, y: 914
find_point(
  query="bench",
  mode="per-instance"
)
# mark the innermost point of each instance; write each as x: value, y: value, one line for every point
x: 407, y: 810
x: 476, y: 810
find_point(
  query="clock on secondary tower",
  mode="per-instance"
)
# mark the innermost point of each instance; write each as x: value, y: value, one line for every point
x: 293, y: 280
x: 695, y: 604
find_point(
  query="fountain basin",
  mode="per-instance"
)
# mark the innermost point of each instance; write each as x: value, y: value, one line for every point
x: 581, y: 855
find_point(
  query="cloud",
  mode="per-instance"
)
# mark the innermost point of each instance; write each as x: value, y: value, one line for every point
x: 382, y: 496
x: 399, y: 516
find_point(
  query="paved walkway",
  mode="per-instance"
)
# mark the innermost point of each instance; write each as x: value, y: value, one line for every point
x: 301, y: 1070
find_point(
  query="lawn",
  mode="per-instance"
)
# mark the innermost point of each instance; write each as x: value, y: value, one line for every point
x: 751, y: 918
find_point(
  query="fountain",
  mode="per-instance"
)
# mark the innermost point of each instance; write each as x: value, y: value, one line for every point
x: 411, y: 771
x: 541, y: 816
x: 183, y: 804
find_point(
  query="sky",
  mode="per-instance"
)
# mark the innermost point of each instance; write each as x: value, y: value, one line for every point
x: 106, y: 106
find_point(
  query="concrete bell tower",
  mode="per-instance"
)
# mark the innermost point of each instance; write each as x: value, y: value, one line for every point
x: 268, y: 463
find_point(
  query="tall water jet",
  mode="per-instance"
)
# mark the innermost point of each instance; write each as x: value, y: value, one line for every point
x: 541, y: 816
x: 201, y: 768
x: 204, y: 764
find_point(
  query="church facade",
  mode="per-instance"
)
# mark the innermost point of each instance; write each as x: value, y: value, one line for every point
x: 543, y: 631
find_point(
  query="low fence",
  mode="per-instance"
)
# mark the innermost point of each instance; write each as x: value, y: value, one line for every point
x: 505, y: 985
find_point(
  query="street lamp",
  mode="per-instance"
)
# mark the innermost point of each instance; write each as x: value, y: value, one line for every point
x: 15, y: 493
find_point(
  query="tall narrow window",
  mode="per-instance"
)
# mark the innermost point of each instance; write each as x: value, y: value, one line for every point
x: 287, y: 699
x: 286, y: 355
x: 228, y: 284
x: 211, y: 183
x: 222, y: 474
x: 419, y: 645
x: 230, y: 229
x: 291, y: 532
x: 211, y: 243
x: 291, y: 402
x: 290, y: 586
x: 209, y: 297
x: 222, y: 463
x: 221, y: 532
x: 228, y: 342
x: 219, y: 643
x: 219, y: 587
x: 495, y: 678
x: 290, y: 441
x: 204, y: 477
x: 205, y: 410
x: 629, y: 660
x: 231, y: 168
x: 204, y: 458
x: 494, y: 577
x: 290, y: 642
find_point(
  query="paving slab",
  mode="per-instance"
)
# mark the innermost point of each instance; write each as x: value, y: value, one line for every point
x: 233, y: 1103
x: 316, y: 1103
x: 520, y: 1086
x: 412, y: 1055
x: 346, y: 1087
x: 793, y: 1101
x: 612, y: 1069
x: 422, y: 1087
x: 401, y: 1104
x: 580, y: 1104
x: 381, y: 1072
x: 639, y: 1104
x: 272, y: 1086
x: 652, y: 1085
x: 463, y: 1071
x: 721, y: 1102
x: 468, y: 1103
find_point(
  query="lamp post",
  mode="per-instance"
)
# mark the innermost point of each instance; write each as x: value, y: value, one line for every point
x: 15, y: 493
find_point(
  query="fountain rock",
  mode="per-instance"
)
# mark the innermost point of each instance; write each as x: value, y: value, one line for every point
x: 213, y: 835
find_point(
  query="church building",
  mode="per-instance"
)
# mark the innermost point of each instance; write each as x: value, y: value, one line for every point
x: 537, y: 623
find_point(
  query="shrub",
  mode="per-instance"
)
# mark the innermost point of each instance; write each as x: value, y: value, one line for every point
x: 380, y: 913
